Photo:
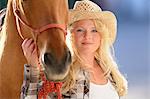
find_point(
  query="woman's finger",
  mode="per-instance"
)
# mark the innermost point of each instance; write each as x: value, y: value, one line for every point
x: 32, y: 47
x: 27, y: 47
x: 24, y: 42
x: 28, y: 43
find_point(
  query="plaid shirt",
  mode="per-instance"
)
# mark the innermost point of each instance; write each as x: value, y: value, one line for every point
x: 30, y: 89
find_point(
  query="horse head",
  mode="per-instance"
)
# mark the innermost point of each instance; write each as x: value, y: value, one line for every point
x: 45, y: 21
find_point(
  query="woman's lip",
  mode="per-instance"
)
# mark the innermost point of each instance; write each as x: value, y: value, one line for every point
x: 86, y: 43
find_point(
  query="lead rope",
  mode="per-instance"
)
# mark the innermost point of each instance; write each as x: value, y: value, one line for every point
x: 48, y: 86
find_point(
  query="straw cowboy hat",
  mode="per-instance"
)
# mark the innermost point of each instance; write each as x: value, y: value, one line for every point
x: 86, y: 9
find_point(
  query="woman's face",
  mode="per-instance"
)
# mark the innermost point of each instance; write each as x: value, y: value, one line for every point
x: 86, y: 37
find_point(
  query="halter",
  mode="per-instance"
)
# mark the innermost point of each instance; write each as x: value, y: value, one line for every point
x: 48, y: 86
x: 39, y: 30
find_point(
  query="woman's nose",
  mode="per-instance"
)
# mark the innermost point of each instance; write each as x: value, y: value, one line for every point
x: 87, y: 35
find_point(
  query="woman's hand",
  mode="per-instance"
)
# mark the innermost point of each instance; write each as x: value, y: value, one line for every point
x: 30, y: 52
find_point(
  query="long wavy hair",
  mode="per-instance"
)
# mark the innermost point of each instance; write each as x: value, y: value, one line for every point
x: 105, y: 58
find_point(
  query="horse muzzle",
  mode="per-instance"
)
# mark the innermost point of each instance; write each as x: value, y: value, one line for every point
x: 55, y: 69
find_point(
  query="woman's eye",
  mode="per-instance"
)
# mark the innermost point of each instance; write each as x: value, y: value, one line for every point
x: 79, y: 30
x: 94, y: 30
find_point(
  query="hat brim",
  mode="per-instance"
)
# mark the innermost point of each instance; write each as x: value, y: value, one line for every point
x: 106, y: 17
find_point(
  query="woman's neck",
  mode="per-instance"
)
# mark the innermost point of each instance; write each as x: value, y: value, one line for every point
x: 88, y: 59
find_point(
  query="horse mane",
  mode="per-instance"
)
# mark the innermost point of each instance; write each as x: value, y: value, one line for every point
x: 2, y: 16
x: 2, y: 31
x: 2, y: 41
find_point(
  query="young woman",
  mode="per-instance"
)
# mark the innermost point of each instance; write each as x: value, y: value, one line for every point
x: 93, y: 74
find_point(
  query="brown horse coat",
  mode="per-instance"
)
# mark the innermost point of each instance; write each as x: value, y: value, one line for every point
x: 11, y: 55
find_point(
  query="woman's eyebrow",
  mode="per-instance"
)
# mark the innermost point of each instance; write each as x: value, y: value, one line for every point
x: 78, y: 27
x: 93, y: 27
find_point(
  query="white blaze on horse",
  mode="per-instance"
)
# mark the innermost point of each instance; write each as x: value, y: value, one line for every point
x: 43, y: 20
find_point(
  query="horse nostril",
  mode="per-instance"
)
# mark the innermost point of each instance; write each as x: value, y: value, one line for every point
x: 48, y: 59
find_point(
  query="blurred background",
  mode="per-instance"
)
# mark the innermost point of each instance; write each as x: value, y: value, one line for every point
x: 132, y: 43
x: 3, y: 4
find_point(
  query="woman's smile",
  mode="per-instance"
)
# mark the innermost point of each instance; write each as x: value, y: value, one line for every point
x: 86, y: 43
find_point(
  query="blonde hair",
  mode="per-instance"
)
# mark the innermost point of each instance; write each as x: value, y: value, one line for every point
x: 104, y: 55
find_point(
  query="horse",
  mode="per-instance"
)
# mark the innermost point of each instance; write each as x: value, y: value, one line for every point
x: 43, y: 20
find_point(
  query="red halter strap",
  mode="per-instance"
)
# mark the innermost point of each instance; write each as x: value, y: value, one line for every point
x: 48, y: 86
x: 34, y: 30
